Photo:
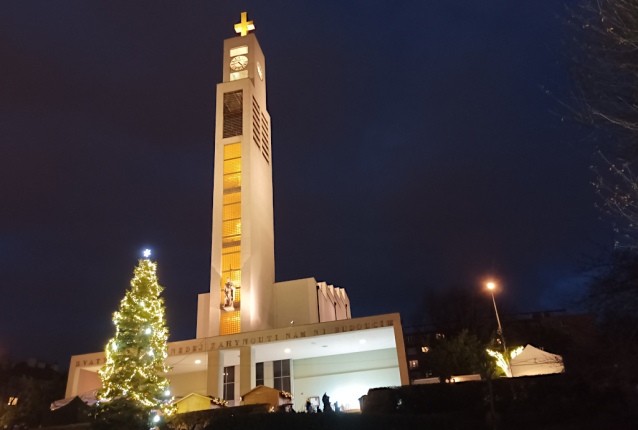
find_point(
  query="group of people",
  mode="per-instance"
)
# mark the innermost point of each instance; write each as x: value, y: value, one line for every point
x: 326, y: 405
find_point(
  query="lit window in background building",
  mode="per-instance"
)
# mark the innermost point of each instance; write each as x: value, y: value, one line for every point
x: 13, y: 401
x: 424, y: 349
x: 414, y: 364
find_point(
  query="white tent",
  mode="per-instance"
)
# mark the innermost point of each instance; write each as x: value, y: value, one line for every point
x: 90, y: 398
x: 533, y: 361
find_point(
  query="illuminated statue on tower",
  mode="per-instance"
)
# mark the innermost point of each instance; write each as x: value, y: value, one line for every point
x: 229, y: 295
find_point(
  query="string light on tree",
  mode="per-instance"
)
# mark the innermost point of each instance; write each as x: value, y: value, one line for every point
x: 135, y: 355
x: 500, y: 359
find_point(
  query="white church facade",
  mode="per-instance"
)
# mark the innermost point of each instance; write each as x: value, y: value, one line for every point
x: 296, y: 336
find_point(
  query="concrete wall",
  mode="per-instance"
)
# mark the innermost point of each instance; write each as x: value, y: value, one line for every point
x: 183, y: 384
x: 258, y: 234
x: 88, y: 381
x: 345, y: 377
x: 203, y: 310
x: 296, y: 301
x: 334, y: 303
x: 238, y: 393
x: 326, y: 303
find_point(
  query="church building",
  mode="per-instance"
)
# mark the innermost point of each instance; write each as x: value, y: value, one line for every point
x: 296, y: 336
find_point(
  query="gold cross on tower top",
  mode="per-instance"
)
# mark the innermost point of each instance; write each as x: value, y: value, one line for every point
x: 244, y: 27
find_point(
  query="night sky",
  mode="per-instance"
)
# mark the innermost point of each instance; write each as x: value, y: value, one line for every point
x: 414, y: 147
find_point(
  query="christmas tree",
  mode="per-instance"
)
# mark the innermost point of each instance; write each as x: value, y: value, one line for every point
x: 136, y: 354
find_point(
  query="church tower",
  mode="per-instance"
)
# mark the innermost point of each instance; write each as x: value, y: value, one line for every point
x: 243, y: 257
x: 252, y: 331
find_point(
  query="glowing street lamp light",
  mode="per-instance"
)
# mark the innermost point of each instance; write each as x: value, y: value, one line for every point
x: 491, y: 286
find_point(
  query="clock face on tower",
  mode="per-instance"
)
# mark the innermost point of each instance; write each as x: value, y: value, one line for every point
x: 239, y: 63
x: 260, y: 71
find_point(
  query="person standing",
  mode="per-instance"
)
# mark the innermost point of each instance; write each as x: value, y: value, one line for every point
x: 326, y: 403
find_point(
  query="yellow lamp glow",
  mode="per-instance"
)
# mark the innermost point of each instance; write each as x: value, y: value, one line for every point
x: 491, y: 285
x: 244, y: 26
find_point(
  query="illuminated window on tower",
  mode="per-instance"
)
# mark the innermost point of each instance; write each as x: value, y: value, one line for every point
x: 231, y: 242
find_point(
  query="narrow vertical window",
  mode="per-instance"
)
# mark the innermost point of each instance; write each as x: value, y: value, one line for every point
x: 259, y: 374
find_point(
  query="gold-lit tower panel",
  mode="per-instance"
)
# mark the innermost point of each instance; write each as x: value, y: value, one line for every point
x: 230, y: 321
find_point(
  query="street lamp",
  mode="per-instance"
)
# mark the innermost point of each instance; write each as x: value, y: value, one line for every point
x: 491, y: 286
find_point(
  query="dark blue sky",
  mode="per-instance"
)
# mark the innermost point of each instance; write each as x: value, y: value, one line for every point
x: 414, y: 148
